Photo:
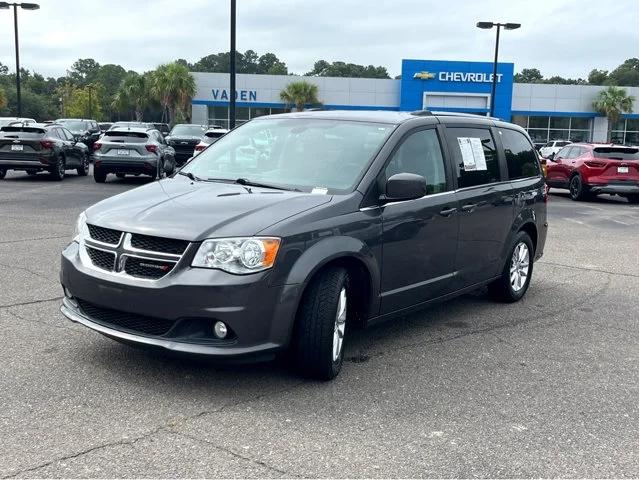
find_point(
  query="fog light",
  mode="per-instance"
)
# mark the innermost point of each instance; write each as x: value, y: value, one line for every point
x: 220, y: 330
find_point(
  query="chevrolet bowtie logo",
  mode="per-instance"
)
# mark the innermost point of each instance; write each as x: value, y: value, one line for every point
x: 424, y: 75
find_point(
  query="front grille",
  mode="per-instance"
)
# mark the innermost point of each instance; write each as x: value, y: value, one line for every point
x: 126, y: 321
x: 159, y: 244
x: 104, y: 235
x: 101, y: 259
x: 144, y: 268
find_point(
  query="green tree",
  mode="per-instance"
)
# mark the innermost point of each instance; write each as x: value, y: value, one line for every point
x: 271, y: 65
x: 82, y: 102
x: 300, y: 93
x: 598, y: 77
x: 174, y: 87
x: 3, y: 100
x: 84, y: 71
x: 132, y: 95
x: 247, y: 62
x: 626, y: 74
x: 612, y: 102
x: 322, y: 68
x: 529, y: 75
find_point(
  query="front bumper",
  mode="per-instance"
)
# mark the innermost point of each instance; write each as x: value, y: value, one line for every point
x: 259, y: 316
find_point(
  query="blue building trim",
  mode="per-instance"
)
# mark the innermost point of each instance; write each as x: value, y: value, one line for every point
x: 537, y: 113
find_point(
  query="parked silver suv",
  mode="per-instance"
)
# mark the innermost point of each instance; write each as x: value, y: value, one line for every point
x: 132, y: 150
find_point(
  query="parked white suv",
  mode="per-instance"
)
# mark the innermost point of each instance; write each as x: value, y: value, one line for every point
x: 551, y: 148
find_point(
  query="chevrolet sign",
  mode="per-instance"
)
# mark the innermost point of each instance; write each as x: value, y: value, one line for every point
x: 424, y: 75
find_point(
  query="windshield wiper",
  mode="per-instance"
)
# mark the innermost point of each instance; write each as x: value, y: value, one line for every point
x: 190, y: 176
x: 249, y: 183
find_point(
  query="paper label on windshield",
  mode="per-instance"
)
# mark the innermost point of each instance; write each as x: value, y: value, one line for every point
x: 472, y: 153
x: 319, y: 191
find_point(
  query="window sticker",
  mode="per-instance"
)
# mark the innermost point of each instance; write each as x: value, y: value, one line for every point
x: 472, y: 153
x: 319, y: 191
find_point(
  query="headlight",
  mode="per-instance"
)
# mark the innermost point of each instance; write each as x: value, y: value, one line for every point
x: 238, y: 255
x: 80, y: 227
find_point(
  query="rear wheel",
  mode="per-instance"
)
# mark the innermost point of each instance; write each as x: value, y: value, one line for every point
x: 633, y: 198
x: 3, y: 173
x: 321, y: 325
x: 83, y: 169
x: 98, y: 175
x: 578, y: 191
x: 59, y: 169
x: 159, y: 174
x: 120, y: 175
x: 32, y: 172
x: 515, y: 277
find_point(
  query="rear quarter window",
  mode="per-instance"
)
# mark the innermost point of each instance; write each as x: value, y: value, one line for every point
x: 521, y: 158
x: 487, y: 168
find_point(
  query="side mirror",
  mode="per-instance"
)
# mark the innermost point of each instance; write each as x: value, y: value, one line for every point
x: 169, y: 167
x: 405, y: 186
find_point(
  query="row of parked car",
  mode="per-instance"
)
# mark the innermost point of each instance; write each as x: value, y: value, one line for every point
x: 120, y: 148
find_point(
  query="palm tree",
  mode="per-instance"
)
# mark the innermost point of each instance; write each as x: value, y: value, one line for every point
x: 174, y: 87
x: 612, y: 102
x: 133, y: 93
x: 300, y: 94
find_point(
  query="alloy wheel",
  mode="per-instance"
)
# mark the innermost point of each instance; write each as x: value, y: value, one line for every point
x: 519, y: 266
x: 575, y: 186
x: 340, y: 325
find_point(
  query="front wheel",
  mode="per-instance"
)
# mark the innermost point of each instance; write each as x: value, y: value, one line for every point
x: 633, y: 198
x: 321, y: 325
x: 59, y: 169
x: 578, y: 191
x: 98, y: 175
x: 3, y: 173
x: 516, y: 275
x: 83, y: 169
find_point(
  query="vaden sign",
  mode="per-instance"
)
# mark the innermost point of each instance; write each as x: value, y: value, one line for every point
x: 242, y: 95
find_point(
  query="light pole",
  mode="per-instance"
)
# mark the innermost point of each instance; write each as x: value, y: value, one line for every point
x: 488, y: 26
x: 232, y: 70
x: 26, y: 6
x: 90, y: 88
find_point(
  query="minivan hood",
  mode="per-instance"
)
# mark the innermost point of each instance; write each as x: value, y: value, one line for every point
x: 193, y: 211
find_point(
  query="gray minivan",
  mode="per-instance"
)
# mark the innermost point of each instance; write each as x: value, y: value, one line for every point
x: 331, y: 220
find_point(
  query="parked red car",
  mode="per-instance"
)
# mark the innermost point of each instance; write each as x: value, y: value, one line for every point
x: 588, y: 169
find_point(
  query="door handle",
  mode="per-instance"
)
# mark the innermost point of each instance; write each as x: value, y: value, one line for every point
x: 469, y: 207
x: 447, y: 212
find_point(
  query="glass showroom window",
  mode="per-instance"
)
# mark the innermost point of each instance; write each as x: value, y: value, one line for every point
x: 547, y: 128
x: 219, y: 116
x: 626, y: 131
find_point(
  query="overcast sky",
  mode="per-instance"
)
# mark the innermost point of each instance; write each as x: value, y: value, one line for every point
x: 562, y: 37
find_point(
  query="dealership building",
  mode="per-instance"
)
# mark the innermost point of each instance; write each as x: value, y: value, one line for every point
x: 548, y: 112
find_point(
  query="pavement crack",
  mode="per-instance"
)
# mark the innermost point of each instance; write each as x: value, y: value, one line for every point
x: 15, y: 267
x: 34, y: 239
x: 598, y: 270
x: 32, y: 302
x: 239, y: 456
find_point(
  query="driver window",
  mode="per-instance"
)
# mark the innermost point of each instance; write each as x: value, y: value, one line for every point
x: 421, y: 154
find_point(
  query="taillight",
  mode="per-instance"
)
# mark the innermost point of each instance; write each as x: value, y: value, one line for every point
x: 97, y: 146
x: 595, y: 164
x: 152, y: 148
x: 47, y: 143
x: 199, y: 148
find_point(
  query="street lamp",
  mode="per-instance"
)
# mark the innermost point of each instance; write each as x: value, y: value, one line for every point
x: 488, y: 26
x: 25, y: 6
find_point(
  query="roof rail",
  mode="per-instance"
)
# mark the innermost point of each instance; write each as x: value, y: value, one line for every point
x: 463, y: 114
x: 422, y: 113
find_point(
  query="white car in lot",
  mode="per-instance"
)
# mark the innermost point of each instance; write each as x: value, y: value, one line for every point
x: 212, y: 135
x: 551, y: 148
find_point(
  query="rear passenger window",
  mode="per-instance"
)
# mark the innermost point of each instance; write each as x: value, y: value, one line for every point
x: 486, y: 167
x: 420, y: 153
x: 520, y: 155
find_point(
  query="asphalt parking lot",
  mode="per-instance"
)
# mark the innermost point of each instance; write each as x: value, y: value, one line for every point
x: 548, y: 387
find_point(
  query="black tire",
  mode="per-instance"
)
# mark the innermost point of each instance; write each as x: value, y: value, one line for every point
x: 502, y: 289
x: 578, y: 191
x: 120, y: 175
x: 32, y: 173
x: 59, y: 169
x: 633, y: 198
x: 159, y: 173
x: 98, y: 175
x: 83, y: 169
x: 313, y: 346
x: 3, y: 173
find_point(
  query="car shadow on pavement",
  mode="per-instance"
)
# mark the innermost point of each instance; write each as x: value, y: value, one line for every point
x: 603, y: 198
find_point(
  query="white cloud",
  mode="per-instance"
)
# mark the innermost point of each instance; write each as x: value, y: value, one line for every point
x: 560, y: 37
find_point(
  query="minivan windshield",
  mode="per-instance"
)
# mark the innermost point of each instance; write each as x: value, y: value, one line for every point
x: 307, y: 154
